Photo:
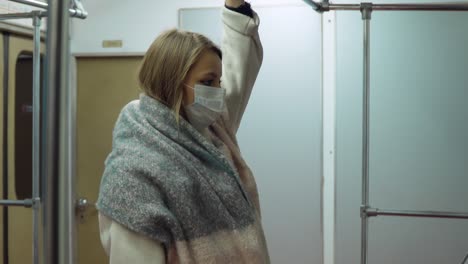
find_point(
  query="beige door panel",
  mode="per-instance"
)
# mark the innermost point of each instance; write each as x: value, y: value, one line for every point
x: 104, y: 86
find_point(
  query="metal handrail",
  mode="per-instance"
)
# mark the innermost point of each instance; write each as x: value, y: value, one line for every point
x: 465, y: 259
x: 20, y: 203
x: 327, y: 6
x: 77, y: 11
x: 406, y: 213
x: 315, y: 5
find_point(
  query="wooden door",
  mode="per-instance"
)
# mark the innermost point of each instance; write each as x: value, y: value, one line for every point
x: 104, y: 86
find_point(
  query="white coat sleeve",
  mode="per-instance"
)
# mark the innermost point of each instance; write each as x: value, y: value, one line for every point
x: 124, y: 246
x: 242, y: 58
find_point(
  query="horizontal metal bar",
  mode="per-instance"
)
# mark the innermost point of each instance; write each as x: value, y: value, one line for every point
x: 350, y: 7
x: 25, y: 203
x: 73, y: 12
x: 22, y: 15
x: 32, y: 3
x: 404, y: 7
x: 327, y: 6
x: 429, y: 214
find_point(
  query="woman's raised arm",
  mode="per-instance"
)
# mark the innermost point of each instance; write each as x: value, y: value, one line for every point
x: 242, y: 57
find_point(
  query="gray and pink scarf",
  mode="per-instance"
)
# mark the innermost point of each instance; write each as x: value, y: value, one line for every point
x: 192, y: 193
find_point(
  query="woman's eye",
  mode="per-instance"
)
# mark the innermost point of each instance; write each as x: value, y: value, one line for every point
x: 207, y: 82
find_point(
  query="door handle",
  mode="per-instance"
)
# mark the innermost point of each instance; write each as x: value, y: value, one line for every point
x: 84, y: 208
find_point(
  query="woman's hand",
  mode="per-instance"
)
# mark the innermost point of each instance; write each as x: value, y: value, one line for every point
x: 234, y: 3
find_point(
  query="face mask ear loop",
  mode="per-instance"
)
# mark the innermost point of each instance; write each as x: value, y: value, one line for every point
x: 189, y: 86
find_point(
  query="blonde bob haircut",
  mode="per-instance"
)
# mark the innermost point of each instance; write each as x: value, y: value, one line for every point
x: 167, y: 63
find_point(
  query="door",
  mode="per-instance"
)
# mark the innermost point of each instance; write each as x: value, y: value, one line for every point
x: 104, y: 86
x: 418, y: 135
x: 19, y: 227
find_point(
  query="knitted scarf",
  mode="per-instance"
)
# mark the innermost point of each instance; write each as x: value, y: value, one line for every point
x: 192, y: 193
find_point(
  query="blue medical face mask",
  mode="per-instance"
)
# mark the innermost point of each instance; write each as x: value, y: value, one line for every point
x: 207, y: 107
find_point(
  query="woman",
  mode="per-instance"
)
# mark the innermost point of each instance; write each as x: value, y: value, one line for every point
x: 175, y: 188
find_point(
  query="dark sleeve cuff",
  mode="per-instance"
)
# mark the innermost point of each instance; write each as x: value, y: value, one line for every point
x: 244, y: 9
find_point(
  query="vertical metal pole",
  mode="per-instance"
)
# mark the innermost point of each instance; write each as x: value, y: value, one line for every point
x: 58, y: 206
x: 36, y: 133
x: 366, y: 10
x: 6, y: 59
x: 71, y: 147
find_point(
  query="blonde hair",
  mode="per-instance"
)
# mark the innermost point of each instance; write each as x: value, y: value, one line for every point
x: 167, y: 63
